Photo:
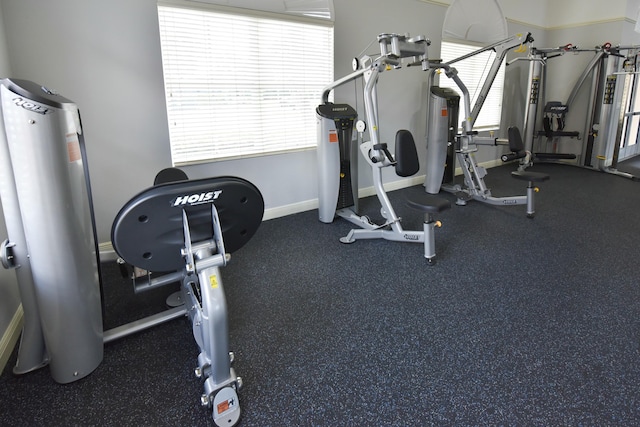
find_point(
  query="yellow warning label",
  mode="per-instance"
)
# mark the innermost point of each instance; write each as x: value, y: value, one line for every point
x: 213, y: 281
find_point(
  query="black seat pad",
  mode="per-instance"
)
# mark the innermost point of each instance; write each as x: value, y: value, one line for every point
x: 429, y: 203
x: 530, y: 176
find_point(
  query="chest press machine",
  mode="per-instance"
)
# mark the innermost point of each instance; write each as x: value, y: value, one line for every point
x: 337, y: 153
x: 186, y: 228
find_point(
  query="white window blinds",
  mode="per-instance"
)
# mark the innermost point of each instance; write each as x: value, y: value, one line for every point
x: 473, y: 72
x: 240, y: 84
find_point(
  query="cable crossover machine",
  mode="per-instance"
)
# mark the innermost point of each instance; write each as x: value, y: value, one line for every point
x: 610, y: 72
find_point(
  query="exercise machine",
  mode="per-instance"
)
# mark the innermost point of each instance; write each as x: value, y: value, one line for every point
x: 337, y: 152
x: 608, y: 116
x: 443, y: 140
x: 179, y: 226
x: 609, y: 72
x: 555, y: 112
x: 185, y: 229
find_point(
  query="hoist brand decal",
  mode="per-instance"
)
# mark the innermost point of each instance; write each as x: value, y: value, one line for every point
x: 31, y: 106
x: 196, y: 198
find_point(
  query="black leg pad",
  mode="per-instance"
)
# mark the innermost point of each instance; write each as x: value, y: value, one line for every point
x: 429, y: 204
x: 530, y: 176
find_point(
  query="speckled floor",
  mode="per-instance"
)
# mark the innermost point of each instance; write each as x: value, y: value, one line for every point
x: 522, y: 321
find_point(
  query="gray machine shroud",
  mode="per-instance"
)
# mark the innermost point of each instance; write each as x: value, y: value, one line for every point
x: 52, y: 241
x: 441, y: 131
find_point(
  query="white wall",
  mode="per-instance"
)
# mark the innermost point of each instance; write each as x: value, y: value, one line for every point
x: 515, y: 10
x: 600, y: 23
x: 632, y: 9
x: 562, y: 13
x: 105, y: 56
x: 549, y: 14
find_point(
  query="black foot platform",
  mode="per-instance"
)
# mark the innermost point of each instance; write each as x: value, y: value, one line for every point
x: 554, y: 156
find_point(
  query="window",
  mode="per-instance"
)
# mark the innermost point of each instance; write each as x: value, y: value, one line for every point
x: 239, y: 83
x: 473, y: 72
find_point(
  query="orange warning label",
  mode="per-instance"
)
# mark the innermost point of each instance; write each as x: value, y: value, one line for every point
x: 73, y: 149
x: 443, y: 112
x: 333, y: 136
x: 223, y: 406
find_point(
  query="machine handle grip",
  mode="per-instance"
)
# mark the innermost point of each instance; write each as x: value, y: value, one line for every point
x: 7, y: 257
x: 512, y: 156
x: 383, y: 147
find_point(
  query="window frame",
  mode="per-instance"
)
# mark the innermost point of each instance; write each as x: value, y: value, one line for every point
x: 301, y: 134
x: 495, y: 97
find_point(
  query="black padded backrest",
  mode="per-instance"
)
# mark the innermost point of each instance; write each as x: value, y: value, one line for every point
x: 546, y: 124
x: 515, y: 139
x: 407, y: 163
x: 170, y: 175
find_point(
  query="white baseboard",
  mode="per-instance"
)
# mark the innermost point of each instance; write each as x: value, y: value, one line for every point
x: 308, y: 205
x: 106, y: 250
x: 291, y: 209
x: 10, y: 337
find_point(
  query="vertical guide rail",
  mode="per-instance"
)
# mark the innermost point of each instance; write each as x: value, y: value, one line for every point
x: 533, y: 96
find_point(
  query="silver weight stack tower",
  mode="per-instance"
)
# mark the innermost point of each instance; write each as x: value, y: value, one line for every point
x: 46, y: 200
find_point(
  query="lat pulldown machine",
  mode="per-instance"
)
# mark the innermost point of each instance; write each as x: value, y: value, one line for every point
x: 555, y: 112
x: 337, y: 154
